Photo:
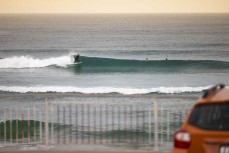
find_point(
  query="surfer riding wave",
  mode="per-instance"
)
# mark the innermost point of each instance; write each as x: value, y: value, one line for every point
x: 75, y: 58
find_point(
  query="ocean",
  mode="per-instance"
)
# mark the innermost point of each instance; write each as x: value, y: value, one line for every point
x: 121, y: 55
x: 36, y: 49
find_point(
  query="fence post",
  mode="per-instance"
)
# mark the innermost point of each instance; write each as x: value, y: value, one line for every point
x: 149, y: 123
x: 119, y: 123
x: 34, y: 126
x: 52, y: 124
x: 125, y: 125
x: 76, y: 120
x: 58, y: 123
x: 155, y: 125
x: 64, y: 130
x: 22, y: 122
x: 107, y: 123
x: 88, y: 120
x: 143, y: 124
x: 28, y: 124
x: 82, y: 123
x: 11, y: 130
x: 113, y: 134
x: 46, y: 124
x: 17, y: 122
x: 137, y: 124
x: 70, y: 122
x: 174, y: 122
x: 161, y: 120
x: 168, y: 124
x: 5, y: 124
x: 94, y: 114
x: 41, y: 125
x: 101, y: 119
x: 131, y: 123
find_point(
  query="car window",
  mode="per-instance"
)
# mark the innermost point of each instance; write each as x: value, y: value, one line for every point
x: 211, y: 116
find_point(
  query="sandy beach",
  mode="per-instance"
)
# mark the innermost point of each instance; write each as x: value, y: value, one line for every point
x: 80, y: 95
x: 81, y: 151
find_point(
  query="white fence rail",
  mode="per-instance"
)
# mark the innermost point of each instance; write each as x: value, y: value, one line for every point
x: 138, y: 124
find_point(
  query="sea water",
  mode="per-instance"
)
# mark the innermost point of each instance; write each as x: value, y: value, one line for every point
x: 119, y: 53
x: 123, y: 54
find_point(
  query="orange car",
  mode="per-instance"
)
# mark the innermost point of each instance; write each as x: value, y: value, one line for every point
x: 206, y: 128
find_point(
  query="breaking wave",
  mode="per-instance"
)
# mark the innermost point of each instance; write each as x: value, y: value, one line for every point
x: 102, y: 90
x: 103, y: 65
x: 18, y: 62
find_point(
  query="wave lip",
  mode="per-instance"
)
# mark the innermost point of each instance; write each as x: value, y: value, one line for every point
x: 102, y: 90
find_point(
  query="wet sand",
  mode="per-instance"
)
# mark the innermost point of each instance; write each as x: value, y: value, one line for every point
x: 80, y: 95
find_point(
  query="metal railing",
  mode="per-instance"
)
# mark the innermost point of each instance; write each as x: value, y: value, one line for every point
x: 137, y: 124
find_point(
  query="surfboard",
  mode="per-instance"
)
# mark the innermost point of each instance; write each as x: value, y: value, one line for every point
x: 76, y: 63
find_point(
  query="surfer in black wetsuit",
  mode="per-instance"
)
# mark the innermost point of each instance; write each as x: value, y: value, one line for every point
x: 76, y: 58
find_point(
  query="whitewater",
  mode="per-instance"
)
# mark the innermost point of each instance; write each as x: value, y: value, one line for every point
x: 30, y: 62
x: 102, y: 90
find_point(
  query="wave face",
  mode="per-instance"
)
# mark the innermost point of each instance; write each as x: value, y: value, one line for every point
x: 103, y: 65
x: 96, y: 64
x: 102, y: 90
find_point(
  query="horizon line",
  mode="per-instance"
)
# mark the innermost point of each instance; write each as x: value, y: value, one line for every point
x: 117, y: 13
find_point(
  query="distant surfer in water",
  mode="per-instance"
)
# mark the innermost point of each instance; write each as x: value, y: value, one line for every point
x: 76, y: 58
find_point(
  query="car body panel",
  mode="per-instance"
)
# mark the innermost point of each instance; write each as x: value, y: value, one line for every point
x: 205, y: 140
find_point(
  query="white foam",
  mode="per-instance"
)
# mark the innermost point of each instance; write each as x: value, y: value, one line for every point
x: 100, y: 90
x: 30, y: 62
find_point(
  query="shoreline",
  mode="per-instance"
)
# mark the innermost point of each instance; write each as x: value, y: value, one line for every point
x: 81, y: 95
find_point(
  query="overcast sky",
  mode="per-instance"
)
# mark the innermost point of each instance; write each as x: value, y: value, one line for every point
x: 114, y: 6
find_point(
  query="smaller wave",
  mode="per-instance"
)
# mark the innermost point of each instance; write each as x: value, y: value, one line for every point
x: 30, y: 62
x: 102, y: 90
